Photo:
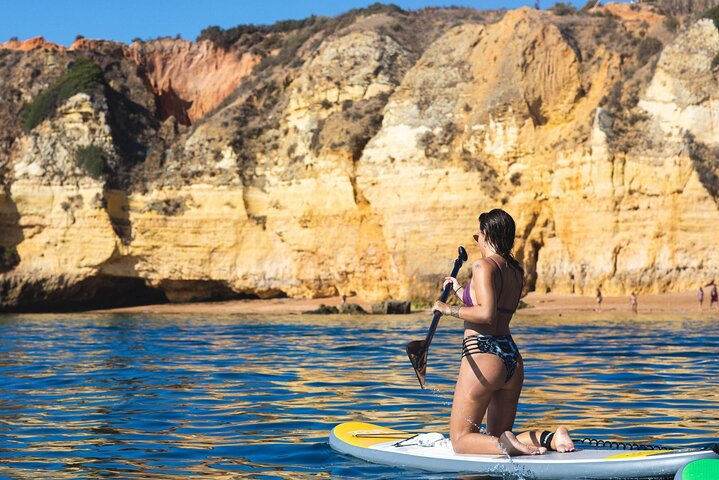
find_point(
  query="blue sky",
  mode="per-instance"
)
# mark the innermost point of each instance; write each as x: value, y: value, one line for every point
x: 60, y: 21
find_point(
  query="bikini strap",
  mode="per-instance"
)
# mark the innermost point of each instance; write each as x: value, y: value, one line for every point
x: 521, y: 287
x: 501, y: 279
x: 501, y: 288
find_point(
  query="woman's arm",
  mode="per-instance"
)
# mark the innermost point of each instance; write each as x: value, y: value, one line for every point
x: 486, y: 309
x: 456, y: 287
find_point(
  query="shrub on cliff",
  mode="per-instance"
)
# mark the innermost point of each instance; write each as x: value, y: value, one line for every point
x: 261, y: 36
x: 713, y: 15
x: 168, y: 206
x: 272, y: 36
x: 648, y: 47
x: 671, y: 23
x: 83, y: 76
x: 92, y: 160
x: 9, y: 258
x: 280, y: 42
x: 561, y: 8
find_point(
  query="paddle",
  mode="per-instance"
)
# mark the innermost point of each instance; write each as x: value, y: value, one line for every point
x: 417, y: 349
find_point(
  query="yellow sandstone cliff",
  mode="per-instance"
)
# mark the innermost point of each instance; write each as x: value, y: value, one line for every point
x: 361, y: 163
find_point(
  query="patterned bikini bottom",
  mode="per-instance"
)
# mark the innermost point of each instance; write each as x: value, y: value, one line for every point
x: 502, y: 346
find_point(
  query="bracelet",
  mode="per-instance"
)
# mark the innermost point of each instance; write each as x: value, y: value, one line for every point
x: 456, y: 292
x: 454, y: 311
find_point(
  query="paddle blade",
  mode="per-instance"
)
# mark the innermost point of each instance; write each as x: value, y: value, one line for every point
x: 417, y: 354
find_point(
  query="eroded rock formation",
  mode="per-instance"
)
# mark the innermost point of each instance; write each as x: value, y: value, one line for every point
x: 354, y: 155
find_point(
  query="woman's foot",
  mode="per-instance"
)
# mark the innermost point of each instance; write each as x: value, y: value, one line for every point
x: 562, y: 441
x: 513, y: 447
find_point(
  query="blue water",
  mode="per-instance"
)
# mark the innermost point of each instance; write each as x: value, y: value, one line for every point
x: 247, y: 397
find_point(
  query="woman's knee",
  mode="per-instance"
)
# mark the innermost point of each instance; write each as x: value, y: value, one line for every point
x: 457, y: 444
x: 474, y: 443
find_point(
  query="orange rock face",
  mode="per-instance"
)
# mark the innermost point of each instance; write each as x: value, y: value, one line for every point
x: 30, y: 44
x: 189, y: 79
x: 633, y: 12
x: 192, y: 78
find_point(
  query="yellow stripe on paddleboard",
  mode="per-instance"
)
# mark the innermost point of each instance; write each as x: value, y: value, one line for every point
x: 361, y: 434
x: 640, y: 453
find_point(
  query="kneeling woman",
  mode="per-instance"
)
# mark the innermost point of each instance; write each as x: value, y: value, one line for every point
x: 492, y: 373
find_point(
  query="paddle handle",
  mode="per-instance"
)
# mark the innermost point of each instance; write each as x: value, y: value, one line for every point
x: 442, y: 298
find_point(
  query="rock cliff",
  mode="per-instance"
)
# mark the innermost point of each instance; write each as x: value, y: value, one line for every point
x: 354, y: 154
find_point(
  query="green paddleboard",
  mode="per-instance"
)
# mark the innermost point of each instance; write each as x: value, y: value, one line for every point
x: 704, y: 469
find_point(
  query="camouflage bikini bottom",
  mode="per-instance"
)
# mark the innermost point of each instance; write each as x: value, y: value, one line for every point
x: 502, y: 346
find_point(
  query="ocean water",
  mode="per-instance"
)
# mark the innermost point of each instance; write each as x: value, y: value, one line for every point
x: 118, y: 396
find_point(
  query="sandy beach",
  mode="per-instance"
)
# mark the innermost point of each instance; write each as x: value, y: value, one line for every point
x: 539, y: 304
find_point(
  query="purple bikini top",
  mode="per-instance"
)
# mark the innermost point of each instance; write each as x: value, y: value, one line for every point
x: 466, y: 295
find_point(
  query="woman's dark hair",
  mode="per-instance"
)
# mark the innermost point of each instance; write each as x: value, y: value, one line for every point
x: 498, y: 229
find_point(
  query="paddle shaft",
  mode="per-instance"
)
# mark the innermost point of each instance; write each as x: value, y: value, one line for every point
x: 442, y: 298
x: 417, y: 350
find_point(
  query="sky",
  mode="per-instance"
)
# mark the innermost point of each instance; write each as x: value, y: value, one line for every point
x: 60, y: 21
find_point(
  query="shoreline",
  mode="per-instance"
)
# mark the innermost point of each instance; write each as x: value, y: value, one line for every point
x: 685, y: 303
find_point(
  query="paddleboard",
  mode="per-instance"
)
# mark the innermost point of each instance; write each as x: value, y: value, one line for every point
x: 433, y: 452
x: 704, y: 469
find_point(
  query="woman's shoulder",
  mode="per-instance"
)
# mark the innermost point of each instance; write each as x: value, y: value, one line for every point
x: 484, y: 264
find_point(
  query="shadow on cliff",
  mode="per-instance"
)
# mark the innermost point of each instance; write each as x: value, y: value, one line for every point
x: 10, y: 234
x: 706, y: 164
x: 61, y: 294
x: 210, y: 291
x: 117, y: 206
x: 94, y: 293
x: 130, y: 124
x: 169, y: 104
x: 530, y: 256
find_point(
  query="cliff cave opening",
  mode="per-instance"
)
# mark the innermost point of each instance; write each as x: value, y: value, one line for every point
x: 94, y: 293
x: 178, y: 291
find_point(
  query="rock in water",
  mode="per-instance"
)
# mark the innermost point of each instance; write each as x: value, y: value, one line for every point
x: 392, y: 307
x: 351, y: 308
x: 324, y: 310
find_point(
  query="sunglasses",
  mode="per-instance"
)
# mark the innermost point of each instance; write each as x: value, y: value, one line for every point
x: 476, y: 237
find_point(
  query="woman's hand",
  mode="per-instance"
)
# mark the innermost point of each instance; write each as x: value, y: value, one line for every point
x: 440, y: 307
x: 455, y: 284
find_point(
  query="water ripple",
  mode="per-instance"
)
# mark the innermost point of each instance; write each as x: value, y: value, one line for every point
x: 235, y: 397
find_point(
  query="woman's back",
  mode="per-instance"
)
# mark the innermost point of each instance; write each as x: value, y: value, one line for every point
x: 507, y: 283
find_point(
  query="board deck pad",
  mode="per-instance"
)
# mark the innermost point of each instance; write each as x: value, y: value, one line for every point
x: 387, y: 446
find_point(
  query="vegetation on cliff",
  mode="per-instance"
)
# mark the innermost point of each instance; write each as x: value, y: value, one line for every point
x: 92, y: 159
x: 713, y: 15
x: 280, y: 42
x: 382, y: 111
x: 83, y: 76
x: 267, y: 37
x: 9, y: 258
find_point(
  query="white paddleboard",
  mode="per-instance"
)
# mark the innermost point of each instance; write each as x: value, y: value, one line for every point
x: 434, y: 453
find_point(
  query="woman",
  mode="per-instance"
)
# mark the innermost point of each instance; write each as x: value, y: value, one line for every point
x: 491, y: 373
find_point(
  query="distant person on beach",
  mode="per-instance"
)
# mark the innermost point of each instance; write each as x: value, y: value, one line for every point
x: 633, y: 300
x: 700, y: 297
x: 491, y: 371
x: 344, y: 299
x: 713, y: 297
x: 599, y: 300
